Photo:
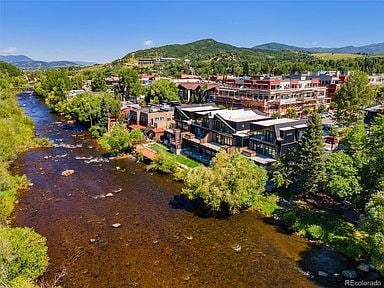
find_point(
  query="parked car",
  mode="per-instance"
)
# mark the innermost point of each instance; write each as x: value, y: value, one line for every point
x: 331, y: 140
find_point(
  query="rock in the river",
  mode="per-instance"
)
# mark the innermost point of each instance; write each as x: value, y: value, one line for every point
x: 116, y: 225
x: 349, y: 274
x: 67, y: 172
x: 236, y: 247
x: 363, y: 267
x: 322, y: 274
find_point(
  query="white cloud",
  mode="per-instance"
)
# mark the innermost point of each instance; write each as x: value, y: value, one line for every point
x: 148, y: 43
x: 10, y: 50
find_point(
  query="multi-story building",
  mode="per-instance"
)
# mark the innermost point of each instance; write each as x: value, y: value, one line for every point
x: 272, y: 138
x: 202, y: 131
x: 270, y: 94
x: 198, y: 92
x: 153, y: 121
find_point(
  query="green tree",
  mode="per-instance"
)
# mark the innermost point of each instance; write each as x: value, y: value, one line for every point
x: 306, y: 111
x: 276, y: 115
x: 118, y: 140
x: 77, y: 81
x: 129, y: 84
x: 342, y: 176
x: 231, y: 183
x: 245, y: 68
x: 373, y: 223
x: 104, y: 115
x: 283, y: 170
x: 322, y: 108
x: 376, y: 153
x: 98, y: 83
x: 85, y: 108
x: 309, y: 165
x: 351, y: 97
x: 380, y: 94
x: 291, y: 113
x: 163, y: 163
x: 162, y: 91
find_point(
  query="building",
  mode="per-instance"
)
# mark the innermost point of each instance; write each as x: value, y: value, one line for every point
x: 372, y: 112
x: 202, y: 131
x: 153, y: 121
x: 272, y: 138
x: 199, y: 92
x: 273, y: 94
x: 147, y: 61
x: 73, y: 93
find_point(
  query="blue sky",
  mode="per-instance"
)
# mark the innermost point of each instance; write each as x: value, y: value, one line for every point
x: 102, y: 31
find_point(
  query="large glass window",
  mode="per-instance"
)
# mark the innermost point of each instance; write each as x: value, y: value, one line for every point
x: 267, y: 134
x: 220, y: 126
x: 264, y: 150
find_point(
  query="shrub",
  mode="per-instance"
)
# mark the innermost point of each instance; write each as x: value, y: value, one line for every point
x: 24, y: 253
x: 163, y: 163
x: 7, y: 203
x: 97, y: 131
x: 43, y: 142
x: 315, y: 232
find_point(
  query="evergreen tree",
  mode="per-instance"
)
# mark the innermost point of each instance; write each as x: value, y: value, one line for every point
x: 104, y: 115
x: 309, y: 166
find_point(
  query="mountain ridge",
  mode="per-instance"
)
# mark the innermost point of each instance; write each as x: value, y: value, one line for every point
x: 374, y: 48
x: 25, y: 62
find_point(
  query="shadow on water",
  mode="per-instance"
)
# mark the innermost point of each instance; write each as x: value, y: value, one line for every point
x: 198, y: 207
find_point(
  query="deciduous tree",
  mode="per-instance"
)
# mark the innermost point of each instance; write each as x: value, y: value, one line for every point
x: 162, y: 91
x: 351, y: 97
x: 231, y: 182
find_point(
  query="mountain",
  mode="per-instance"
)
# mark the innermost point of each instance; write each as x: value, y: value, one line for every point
x: 205, y: 46
x: 84, y: 63
x: 14, y: 58
x: 374, y: 49
x: 26, y: 63
x: 8, y: 70
x: 209, y: 49
x: 278, y: 47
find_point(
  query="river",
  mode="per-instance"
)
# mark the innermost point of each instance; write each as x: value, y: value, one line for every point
x: 156, y: 245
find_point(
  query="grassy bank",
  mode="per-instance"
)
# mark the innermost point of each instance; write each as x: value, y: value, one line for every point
x: 313, y: 224
x: 23, y: 256
x: 178, y: 158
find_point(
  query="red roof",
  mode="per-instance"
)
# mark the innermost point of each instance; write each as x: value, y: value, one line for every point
x: 194, y: 86
x: 158, y: 130
x: 190, y: 86
x: 136, y: 126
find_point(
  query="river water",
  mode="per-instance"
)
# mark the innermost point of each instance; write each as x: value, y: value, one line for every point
x: 157, y: 245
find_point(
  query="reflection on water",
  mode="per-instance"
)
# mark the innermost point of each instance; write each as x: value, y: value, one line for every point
x: 155, y: 245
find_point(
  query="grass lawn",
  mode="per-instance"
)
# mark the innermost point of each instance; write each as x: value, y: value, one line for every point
x: 178, y: 158
x: 336, y: 56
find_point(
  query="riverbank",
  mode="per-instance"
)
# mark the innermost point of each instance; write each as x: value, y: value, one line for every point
x: 156, y: 244
x: 23, y: 255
